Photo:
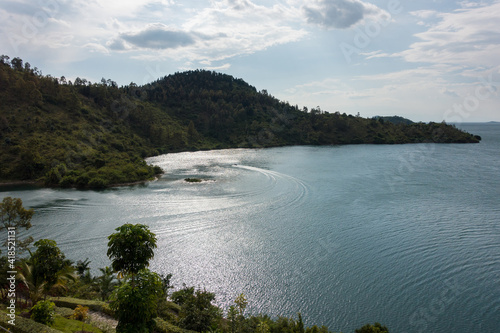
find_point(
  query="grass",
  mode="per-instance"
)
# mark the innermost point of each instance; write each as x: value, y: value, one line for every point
x: 71, y: 326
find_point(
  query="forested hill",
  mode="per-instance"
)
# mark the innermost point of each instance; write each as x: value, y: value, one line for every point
x: 95, y: 134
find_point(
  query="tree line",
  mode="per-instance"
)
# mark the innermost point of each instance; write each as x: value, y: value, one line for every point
x: 95, y: 134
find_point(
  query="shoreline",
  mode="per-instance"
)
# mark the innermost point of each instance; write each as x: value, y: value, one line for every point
x: 40, y: 184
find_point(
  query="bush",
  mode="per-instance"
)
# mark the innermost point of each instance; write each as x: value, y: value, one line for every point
x: 81, y: 313
x: 72, y: 303
x: 375, y: 328
x: 24, y: 325
x: 43, y: 312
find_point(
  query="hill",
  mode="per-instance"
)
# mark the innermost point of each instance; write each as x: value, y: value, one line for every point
x: 395, y: 119
x: 86, y: 134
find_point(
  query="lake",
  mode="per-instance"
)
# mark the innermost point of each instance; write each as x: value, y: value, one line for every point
x: 407, y: 235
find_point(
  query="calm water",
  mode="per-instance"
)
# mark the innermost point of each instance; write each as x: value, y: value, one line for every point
x: 408, y: 235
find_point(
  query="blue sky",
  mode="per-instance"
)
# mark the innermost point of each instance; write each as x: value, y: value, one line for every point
x: 429, y: 60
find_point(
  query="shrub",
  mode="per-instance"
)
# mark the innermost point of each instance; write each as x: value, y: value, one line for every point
x: 69, y: 302
x: 375, y: 328
x: 81, y: 313
x: 25, y: 325
x: 43, y: 312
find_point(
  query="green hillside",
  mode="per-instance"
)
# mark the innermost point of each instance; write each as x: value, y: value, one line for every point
x: 85, y: 134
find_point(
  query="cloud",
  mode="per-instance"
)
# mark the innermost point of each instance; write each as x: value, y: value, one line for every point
x: 339, y: 14
x: 158, y: 36
x: 241, y: 27
x: 469, y: 36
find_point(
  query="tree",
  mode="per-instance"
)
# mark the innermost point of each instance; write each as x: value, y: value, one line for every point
x: 83, y: 269
x: 131, y: 248
x: 232, y: 316
x: 33, y: 282
x: 135, y: 305
x: 241, y: 302
x: 106, y: 282
x: 197, y: 312
x: 47, y: 260
x: 375, y: 328
x: 36, y: 285
x: 14, y: 216
x: 166, y: 283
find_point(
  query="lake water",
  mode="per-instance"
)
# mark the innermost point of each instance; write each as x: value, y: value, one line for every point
x: 407, y: 235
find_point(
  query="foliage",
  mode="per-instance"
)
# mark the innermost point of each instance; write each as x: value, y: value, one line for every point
x: 83, y: 269
x: 14, y: 215
x: 43, y: 312
x: 106, y: 282
x: 80, y: 313
x: 25, y: 325
x: 166, y: 284
x: 84, y: 134
x: 197, y: 311
x: 33, y: 282
x: 135, y: 305
x: 70, y: 302
x: 49, y: 262
x: 131, y: 248
x: 180, y: 296
x: 241, y: 303
x: 375, y: 328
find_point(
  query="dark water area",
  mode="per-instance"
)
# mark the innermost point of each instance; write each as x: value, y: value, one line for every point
x: 407, y: 235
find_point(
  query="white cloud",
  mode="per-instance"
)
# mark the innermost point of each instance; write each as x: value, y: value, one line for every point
x: 469, y: 36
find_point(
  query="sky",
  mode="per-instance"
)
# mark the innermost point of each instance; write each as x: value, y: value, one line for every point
x: 427, y: 60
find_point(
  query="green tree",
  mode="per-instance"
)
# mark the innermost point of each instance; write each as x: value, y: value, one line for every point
x: 166, y: 283
x: 135, y: 305
x: 83, y: 270
x: 263, y: 327
x: 375, y: 328
x: 47, y: 260
x: 131, y: 248
x: 198, y: 313
x: 232, y: 316
x: 36, y: 285
x: 106, y: 282
x: 241, y: 303
x: 14, y: 216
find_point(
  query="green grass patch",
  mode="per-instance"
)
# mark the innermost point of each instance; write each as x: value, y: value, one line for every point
x: 64, y: 312
x: 71, y: 326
